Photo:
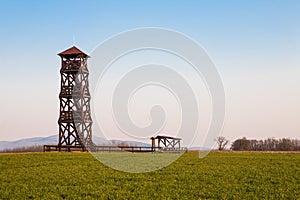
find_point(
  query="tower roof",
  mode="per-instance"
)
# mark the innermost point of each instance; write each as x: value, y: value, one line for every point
x: 73, y: 51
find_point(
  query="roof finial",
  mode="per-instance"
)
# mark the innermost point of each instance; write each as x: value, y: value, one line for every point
x: 73, y: 40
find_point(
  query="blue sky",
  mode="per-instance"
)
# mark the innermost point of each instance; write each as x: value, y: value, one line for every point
x: 254, y: 44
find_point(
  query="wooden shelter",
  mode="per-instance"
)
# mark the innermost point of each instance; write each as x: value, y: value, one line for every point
x: 165, y: 142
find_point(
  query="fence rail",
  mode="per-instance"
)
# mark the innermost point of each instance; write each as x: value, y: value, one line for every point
x: 97, y: 148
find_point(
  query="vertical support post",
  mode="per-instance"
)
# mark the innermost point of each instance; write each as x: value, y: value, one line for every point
x: 153, y: 144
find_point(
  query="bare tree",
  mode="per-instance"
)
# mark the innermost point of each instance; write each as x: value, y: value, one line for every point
x: 222, y: 142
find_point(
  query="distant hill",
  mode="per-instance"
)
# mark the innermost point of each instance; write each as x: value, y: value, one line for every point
x: 36, y: 141
x: 200, y: 149
x: 131, y: 143
x: 53, y: 139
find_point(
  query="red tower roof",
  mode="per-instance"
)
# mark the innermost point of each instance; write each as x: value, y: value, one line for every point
x: 72, y: 51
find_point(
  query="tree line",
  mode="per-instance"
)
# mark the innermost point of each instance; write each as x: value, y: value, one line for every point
x: 270, y: 144
x: 35, y: 148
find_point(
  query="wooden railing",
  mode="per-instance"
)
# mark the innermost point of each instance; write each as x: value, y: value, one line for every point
x: 97, y: 148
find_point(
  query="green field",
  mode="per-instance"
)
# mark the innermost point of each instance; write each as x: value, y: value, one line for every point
x: 226, y: 175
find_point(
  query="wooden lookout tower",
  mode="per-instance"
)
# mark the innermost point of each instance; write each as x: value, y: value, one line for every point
x: 75, y: 122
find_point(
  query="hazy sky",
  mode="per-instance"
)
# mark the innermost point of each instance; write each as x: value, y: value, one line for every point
x: 255, y: 46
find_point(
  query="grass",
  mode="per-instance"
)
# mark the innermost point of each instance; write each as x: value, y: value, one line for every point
x: 217, y: 176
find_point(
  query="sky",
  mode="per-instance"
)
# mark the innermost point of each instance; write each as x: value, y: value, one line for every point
x: 253, y: 44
